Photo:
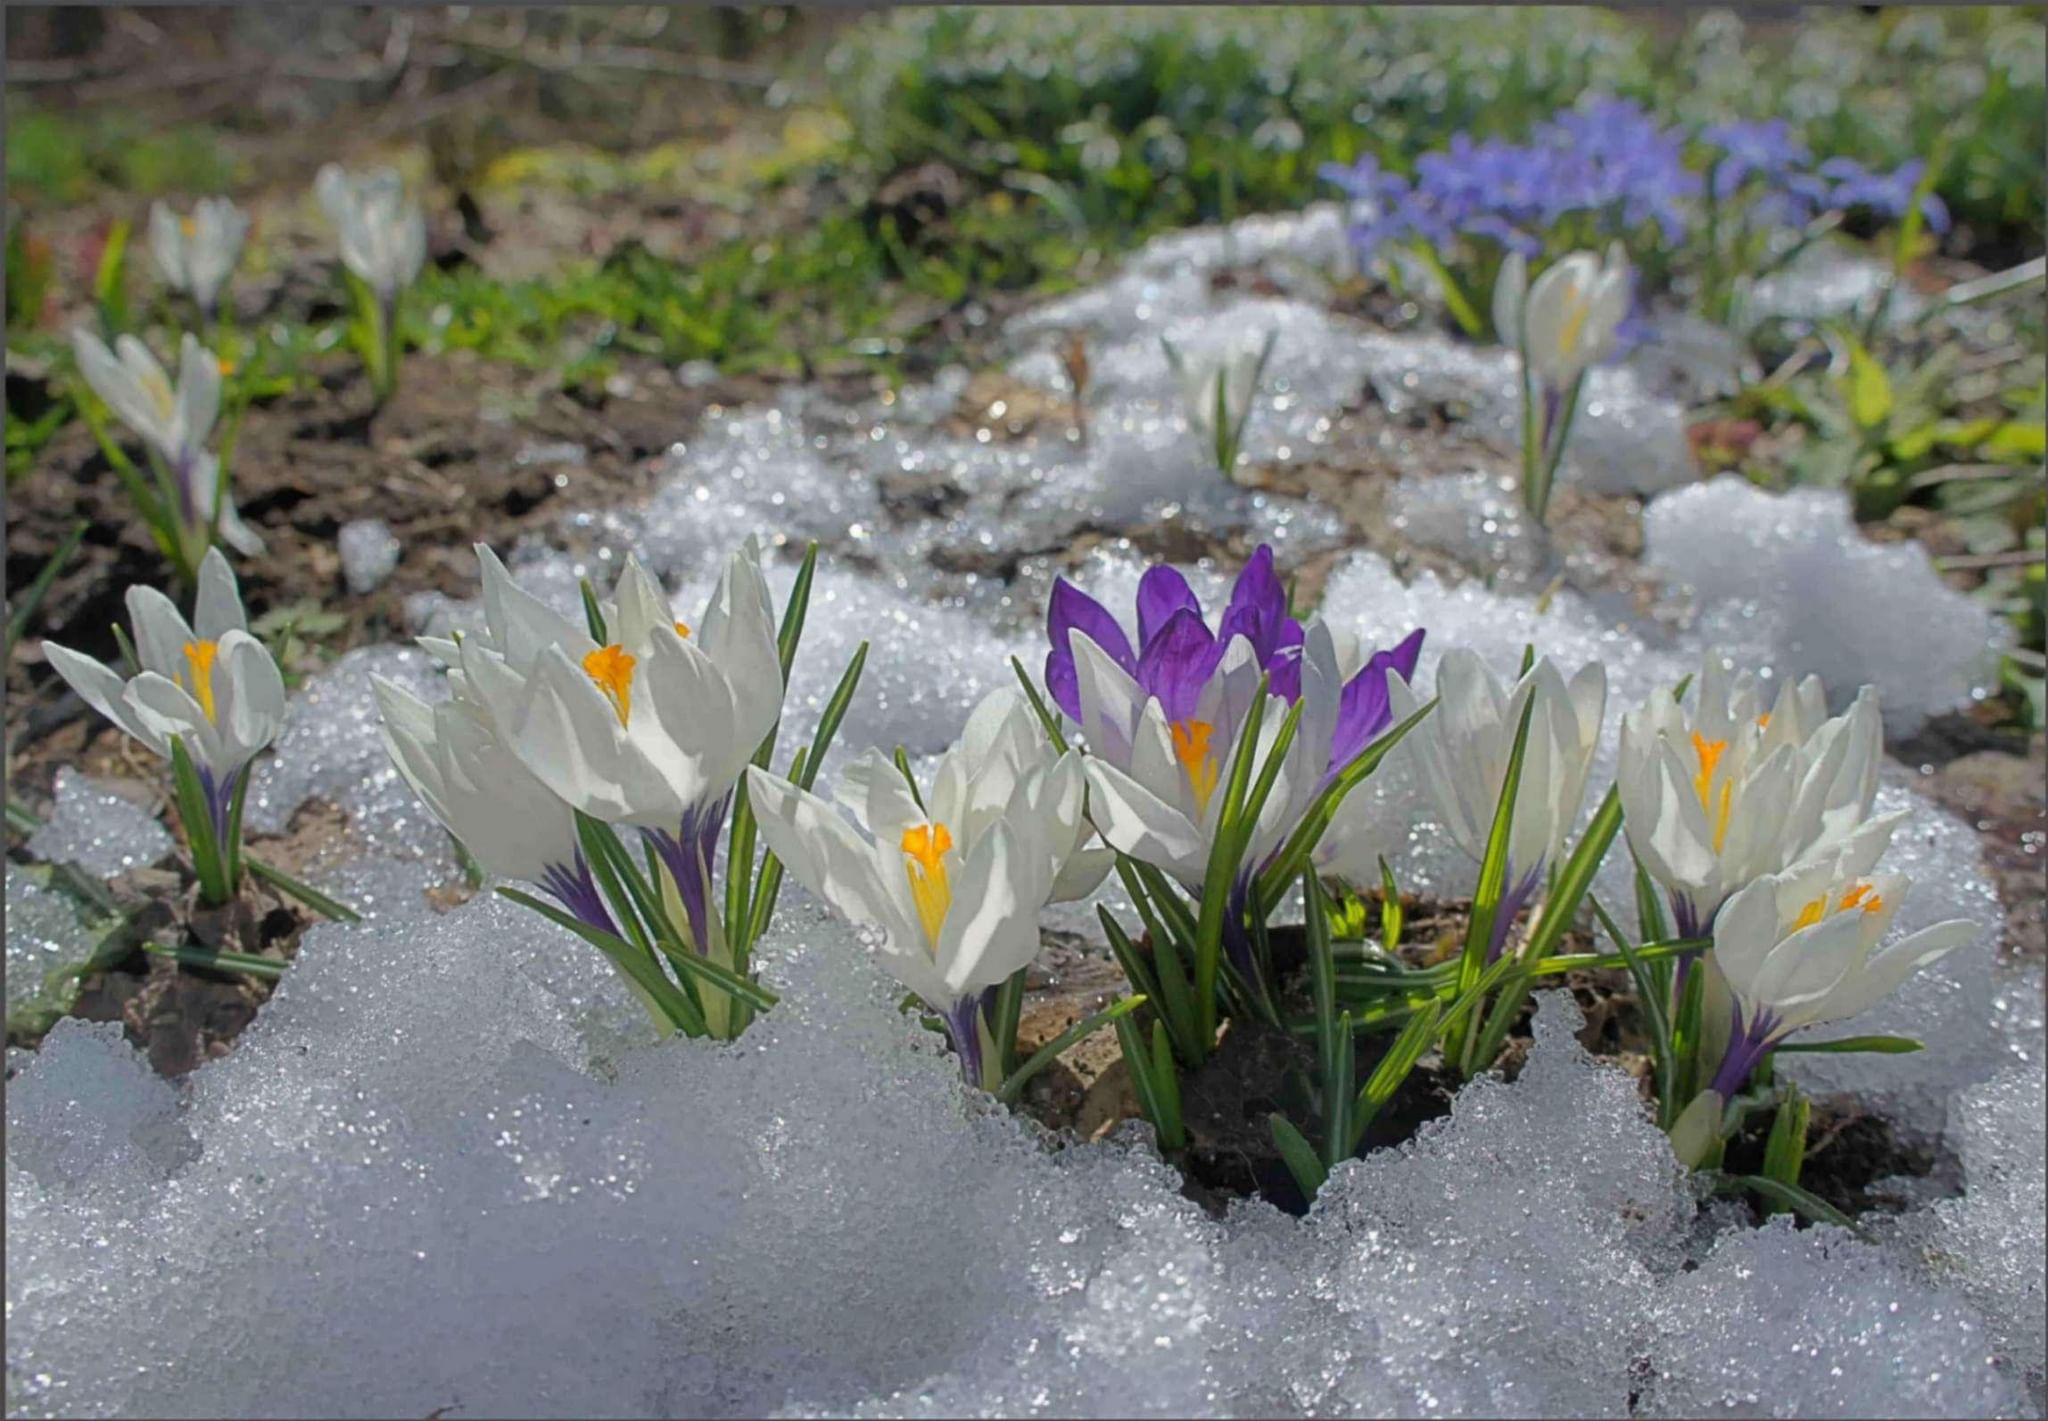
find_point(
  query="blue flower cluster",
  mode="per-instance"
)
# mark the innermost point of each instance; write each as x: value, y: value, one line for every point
x: 1614, y: 168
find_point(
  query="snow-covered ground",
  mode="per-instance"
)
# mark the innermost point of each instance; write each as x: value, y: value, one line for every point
x: 450, y: 1167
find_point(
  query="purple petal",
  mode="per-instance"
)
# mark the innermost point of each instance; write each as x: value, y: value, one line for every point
x: 1364, y: 712
x: 1162, y: 592
x: 1178, y: 663
x: 1074, y: 610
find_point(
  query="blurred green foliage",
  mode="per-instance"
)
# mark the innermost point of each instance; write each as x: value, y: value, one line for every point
x: 58, y: 158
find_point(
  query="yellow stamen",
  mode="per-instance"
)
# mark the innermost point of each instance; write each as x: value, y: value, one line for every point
x: 1191, y: 748
x: 199, y: 657
x: 1812, y: 913
x: 1763, y: 722
x: 1721, y: 819
x: 227, y: 366
x: 1856, y: 895
x: 1577, y: 309
x: 925, y: 846
x: 612, y: 668
x: 682, y: 628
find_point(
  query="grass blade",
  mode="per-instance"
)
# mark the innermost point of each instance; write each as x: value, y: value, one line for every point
x: 330, y: 908
x: 32, y: 596
x: 248, y: 964
x: 1013, y: 1085
x: 1299, y: 1155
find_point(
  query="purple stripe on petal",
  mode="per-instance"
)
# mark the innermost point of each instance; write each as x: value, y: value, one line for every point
x: 576, y: 889
x: 687, y: 855
x: 1074, y: 610
x: 961, y: 1027
x: 1178, y: 663
x: 1161, y: 592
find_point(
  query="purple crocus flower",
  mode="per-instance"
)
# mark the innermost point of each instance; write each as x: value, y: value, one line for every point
x: 1177, y: 656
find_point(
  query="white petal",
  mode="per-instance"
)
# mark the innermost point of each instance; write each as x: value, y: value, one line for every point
x: 219, y: 609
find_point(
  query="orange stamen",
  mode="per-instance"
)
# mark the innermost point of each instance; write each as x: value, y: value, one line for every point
x: 1191, y: 748
x: 611, y: 667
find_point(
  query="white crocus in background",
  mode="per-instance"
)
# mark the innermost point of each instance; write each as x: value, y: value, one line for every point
x: 1219, y: 392
x: 1462, y: 754
x: 1562, y: 325
x: 206, y: 685
x: 174, y: 423
x: 954, y: 878
x: 383, y: 244
x: 1719, y: 796
x: 197, y: 254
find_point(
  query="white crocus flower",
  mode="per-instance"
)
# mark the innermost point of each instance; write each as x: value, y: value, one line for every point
x: 383, y: 237
x: 953, y: 879
x: 1719, y: 796
x: 173, y: 421
x: 1566, y: 322
x: 1807, y: 946
x: 1563, y: 325
x: 1462, y: 754
x: 209, y: 683
x: 652, y: 729
x: 513, y: 825
x: 197, y: 254
x: 1229, y: 378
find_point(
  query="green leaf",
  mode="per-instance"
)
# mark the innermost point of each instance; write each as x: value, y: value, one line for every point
x: 1224, y: 856
x: 593, y: 614
x: 1792, y: 1197
x: 32, y: 596
x: 1651, y: 998
x: 804, y: 774
x: 1013, y: 1085
x: 1869, y: 389
x: 1878, y: 1045
x: 1394, y: 1068
x: 797, y: 610
x: 1045, y: 715
x: 312, y: 897
x: 1299, y: 1155
x: 248, y: 964
x: 194, y: 814
x: 1287, y: 865
x: 1493, y: 882
x: 661, y: 994
x: 1392, y: 914
x: 1785, y: 1150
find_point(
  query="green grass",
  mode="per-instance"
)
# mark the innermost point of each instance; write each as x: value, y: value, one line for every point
x: 59, y: 158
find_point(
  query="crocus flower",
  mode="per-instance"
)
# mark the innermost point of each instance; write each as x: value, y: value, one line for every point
x: 1804, y: 947
x: 1720, y: 796
x: 1178, y: 657
x: 1462, y: 753
x: 383, y: 236
x: 197, y: 254
x: 1229, y: 379
x: 513, y: 825
x: 1566, y: 321
x: 174, y: 422
x: 952, y: 877
x: 211, y: 684
x: 651, y: 729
